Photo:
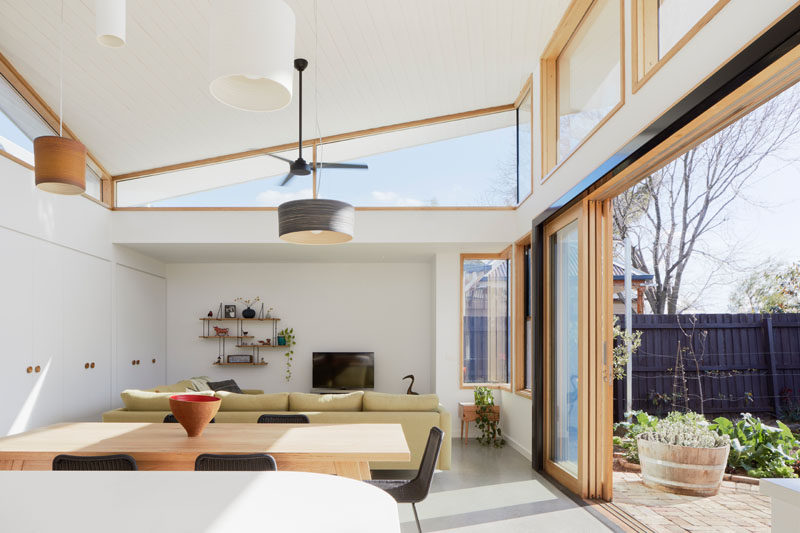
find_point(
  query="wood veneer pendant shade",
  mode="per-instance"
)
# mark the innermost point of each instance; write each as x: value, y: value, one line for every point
x: 59, y: 165
x: 316, y: 221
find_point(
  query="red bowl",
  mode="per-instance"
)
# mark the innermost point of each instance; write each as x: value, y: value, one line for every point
x: 194, y: 411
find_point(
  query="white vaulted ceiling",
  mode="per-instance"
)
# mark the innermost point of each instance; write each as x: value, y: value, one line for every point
x: 380, y: 62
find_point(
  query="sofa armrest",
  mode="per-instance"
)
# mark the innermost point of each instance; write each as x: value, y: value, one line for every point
x: 252, y: 391
x: 445, y: 424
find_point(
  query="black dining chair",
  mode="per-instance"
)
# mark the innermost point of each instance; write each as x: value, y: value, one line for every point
x: 97, y: 462
x: 415, y: 490
x: 283, y: 419
x: 254, y: 462
x: 170, y: 419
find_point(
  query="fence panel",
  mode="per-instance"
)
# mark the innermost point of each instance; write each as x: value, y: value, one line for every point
x: 714, y: 363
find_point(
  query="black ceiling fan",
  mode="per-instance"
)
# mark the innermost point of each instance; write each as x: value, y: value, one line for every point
x: 300, y: 167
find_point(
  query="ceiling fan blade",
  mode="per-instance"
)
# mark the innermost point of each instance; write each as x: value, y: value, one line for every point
x: 281, y: 158
x: 342, y: 165
x: 287, y: 179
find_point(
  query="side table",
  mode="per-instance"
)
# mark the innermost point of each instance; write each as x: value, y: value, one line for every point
x: 468, y: 412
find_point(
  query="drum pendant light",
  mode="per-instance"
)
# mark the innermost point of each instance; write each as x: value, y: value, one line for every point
x: 109, y: 22
x: 59, y: 163
x: 252, y: 53
x: 315, y: 221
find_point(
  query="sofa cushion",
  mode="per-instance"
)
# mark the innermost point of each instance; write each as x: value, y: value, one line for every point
x: 379, y: 401
x: 199, y: 383
x: 351, y: 401
x: 181, y: 386
x: 139, y: 400
x: 230, y: 401
x: 227, y: 385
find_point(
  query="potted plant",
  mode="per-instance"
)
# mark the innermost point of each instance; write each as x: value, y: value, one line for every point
x: 683, y: 455
x: 488, y: 417
x: 289, y: 341
x: 248, y: 303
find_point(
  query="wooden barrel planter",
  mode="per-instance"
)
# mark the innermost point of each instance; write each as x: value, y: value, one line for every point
x: 682, y: 469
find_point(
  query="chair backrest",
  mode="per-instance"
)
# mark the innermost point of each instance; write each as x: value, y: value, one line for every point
x: 170, y: 419
x: 254, y: 462
x: 421, y: 483
x: 283, y: 419
x: 98, y: 462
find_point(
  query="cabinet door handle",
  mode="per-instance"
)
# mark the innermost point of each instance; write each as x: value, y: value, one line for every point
x: 86, y: 365
x: 29, y: 369
x: 38, y: 368
x: 92, y: 365
x: 154, y: 360
x: 133, y: 362
x: 138, y: 362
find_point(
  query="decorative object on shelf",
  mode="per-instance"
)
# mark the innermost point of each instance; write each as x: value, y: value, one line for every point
x: 221, y: 332
x: 219, y: 359
x: 230, y: 311
x: 244, y: 332
x: 261, y: 311
x: 193, y: 411
x: 269, y: 312
x: 109, y: 22
x: 262, y: 361
x: 409, y: 391
x: 240, y: 358
x: 269, y: 342
x: 251, y: 50
x: 491, y: 435
x: 289, y: 340
x: 211, y: 314
x: 249, y: 312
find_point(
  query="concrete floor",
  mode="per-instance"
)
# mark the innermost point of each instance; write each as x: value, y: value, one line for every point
x: 491, y: 489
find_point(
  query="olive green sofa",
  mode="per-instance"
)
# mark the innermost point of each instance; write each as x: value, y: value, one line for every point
x: 416, y: 414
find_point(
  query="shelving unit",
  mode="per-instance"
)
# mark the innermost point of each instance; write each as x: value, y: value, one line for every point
x: 256, y: 348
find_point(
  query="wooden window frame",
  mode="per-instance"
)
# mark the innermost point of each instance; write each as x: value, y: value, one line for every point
x: 525, y: 92
x: 644, y: 39
x: 574, y: 16
x: 519, y: 318
x: 505, y: 254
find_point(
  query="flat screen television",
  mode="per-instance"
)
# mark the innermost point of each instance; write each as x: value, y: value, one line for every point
x: 343, y: 370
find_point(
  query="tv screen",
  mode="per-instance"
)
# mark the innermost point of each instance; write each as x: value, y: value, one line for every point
x: 343, y: 370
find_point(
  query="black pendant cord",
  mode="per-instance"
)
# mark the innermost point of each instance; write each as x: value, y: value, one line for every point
x: 300, y: 126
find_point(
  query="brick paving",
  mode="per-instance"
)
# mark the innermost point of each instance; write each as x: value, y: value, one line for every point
x: 738, y: 507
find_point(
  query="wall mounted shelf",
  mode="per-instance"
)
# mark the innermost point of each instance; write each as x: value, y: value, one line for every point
x: 240, y: 319
x: 240, y: 334
x: 241, y: 364
x: 226, y: 336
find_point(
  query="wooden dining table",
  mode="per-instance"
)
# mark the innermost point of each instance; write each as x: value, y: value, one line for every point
x: 341, y: 449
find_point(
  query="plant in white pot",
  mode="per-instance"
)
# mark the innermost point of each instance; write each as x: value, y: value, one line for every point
x: 683, y: 455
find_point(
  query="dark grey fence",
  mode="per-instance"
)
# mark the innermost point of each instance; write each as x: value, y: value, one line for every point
x: 720, y: 363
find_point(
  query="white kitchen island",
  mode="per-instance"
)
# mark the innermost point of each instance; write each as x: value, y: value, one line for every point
x: 785, y: 495
x: 89, y: 502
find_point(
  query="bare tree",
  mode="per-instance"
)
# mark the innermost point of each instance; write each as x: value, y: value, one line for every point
x: 670, y: 214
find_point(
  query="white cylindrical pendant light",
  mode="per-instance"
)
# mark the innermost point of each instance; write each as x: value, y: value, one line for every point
x: 110, y: 22
x: 316, y: 221
x: 252, y: 53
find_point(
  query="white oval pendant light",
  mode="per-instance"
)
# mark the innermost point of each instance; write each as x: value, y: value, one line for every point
x: 252, y: 53
x: 110, y: 22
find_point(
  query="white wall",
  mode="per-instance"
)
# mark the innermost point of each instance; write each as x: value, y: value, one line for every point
x: 386, y: 308
x: 57, y: 292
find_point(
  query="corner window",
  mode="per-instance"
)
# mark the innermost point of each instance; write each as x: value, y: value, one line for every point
x: 485, y: 319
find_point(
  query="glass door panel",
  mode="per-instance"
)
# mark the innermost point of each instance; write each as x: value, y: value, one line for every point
x: 564, y: 348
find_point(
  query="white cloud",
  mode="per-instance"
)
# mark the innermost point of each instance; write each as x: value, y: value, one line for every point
x: 393, y: 198
x: 272, y: 197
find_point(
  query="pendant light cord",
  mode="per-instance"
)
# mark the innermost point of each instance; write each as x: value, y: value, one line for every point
x: 61, y: 74
x: 316, y: 102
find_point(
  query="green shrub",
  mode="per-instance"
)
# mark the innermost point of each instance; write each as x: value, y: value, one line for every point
x: 692, y: 431
x: 641, y: 422
x: 759, y: 449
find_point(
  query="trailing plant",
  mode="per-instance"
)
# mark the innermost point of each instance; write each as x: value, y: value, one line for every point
x: 621, y: 338
x: 759, y: 449
x: 691, y: 431
x: 291, y: 340
x: 491, y: 435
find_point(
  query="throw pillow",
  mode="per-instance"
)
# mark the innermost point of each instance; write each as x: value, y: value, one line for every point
x: 199, y: 383
x: 228, y: 385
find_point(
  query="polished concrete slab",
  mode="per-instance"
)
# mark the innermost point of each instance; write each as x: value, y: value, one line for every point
x: 495, y: 489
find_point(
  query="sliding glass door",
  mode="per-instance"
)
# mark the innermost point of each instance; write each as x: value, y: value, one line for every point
x: 562, y: 350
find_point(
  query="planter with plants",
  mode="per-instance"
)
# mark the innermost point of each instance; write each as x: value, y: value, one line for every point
x: 682, y: 454
x: 488, y: 418
x: 289, y: 340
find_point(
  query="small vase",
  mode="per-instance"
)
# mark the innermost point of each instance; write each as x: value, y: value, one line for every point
x: 281, y: 340
x: 248, y: 313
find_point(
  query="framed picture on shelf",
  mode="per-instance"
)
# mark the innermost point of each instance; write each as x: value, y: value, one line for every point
x: 230, y: 311
x: 240, y: 358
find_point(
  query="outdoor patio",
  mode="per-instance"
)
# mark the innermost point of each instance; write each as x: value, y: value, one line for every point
x: 737, y: 507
